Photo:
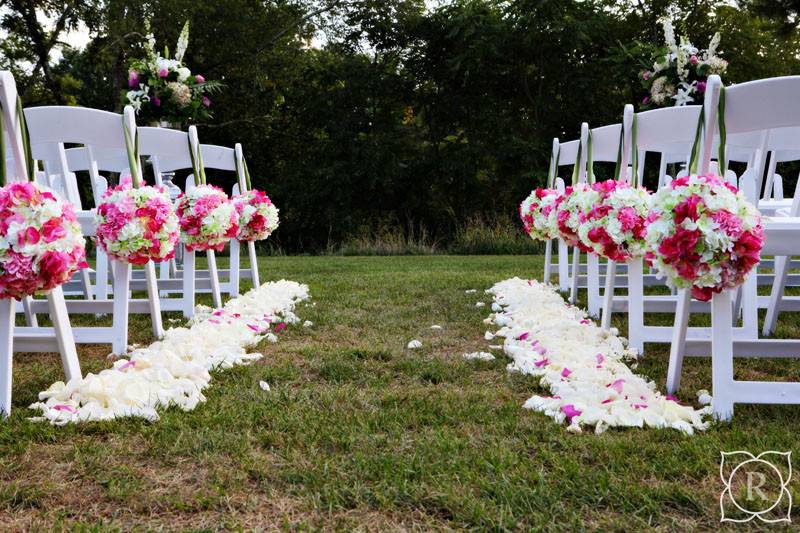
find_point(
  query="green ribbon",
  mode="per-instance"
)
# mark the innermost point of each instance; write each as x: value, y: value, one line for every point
x: 722, y: 161
x: 197, y: 163
x: 26, y: 141
x: 589, y: 160
x: 576, y: 166
x: 244, y: 171
x: 634, y: 154
x: 551, y: 173
x: 2, y: 150
x: 132, y: 147
x: 618, y: 165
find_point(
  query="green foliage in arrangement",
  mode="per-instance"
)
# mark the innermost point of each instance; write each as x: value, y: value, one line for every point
x: 428, y: 114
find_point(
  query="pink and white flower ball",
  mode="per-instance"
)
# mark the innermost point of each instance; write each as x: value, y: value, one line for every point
x: 703, y: 234
x: 207, y: 218
x: 41, y: 244
x: 258, y: 216
x: 572, y: 208
x: 538, y: 214
x: 137, y: 225
x: 615, y: 227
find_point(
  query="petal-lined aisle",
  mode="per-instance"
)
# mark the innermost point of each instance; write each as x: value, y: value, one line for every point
x: 582, y: 365
x: 175, y: 370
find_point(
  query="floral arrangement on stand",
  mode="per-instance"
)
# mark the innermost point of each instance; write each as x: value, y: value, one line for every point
x: 258, y: 216
x: 163, y: 90
x: 137, y: 224
x: 703, y: 233
x: 615, y: 226
x: 538, y: 214
x: 207, y: 217
x: 679, y: 70
x: 41, y: 244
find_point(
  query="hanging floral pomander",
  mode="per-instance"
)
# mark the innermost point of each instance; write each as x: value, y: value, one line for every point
x: 538, y: 214
x: 137, y: 225
x: 207, y: 218
x: 258, y: 216
x: 703, y: 234
x: 572, y: 208
x: 615, y: 227
x: 41, y: 244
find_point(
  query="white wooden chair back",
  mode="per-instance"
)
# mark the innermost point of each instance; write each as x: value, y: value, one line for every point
x: 167, y: 149
x: 51, y: 127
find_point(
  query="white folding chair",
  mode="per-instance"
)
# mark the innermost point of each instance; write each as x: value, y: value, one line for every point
x: 168, y: 151
x: 758, y: 106
x: 59, y: 338
x: 51, y: 127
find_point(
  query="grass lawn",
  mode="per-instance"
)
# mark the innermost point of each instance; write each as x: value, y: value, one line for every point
x: 360, y: 433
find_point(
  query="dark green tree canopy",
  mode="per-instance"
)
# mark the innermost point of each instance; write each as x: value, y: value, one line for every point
x: 357, y: 113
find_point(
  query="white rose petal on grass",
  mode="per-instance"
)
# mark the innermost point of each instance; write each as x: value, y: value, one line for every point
x: 478, y: 356
x: 583, y: 366
x: 436, y: 327
x: 703, y: 397
x: 264, y: 386
x: 495, y: 346
x: 479, y: 304
x: 496, y: 307
x: 470, y: 291
x: 176, y: 370
x: 307, y: 324
x: 488, y: 335
x: 413, y: 345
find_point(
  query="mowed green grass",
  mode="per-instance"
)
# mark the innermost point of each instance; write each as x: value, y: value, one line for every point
x: 359, y: 433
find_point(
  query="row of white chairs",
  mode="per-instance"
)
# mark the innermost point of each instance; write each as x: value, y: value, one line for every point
x: 762, y: 121
x: 67, y: 143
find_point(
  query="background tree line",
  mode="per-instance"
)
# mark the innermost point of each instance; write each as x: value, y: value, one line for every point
x: 364, y: 114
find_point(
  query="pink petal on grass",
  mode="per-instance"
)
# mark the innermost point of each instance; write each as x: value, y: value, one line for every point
x: 539, y: 364
x: 565, y: 373
x: 127, y: 365
x: 640, y: 405
x: 570, y: 411
x: 254, y: 328
x: 607, y: 401
x: 600, y: 358
x: 523, y: 336
x: 584, y: 321
x: 541, y: 350
x: 280, y: 327
x: 617, y: 385
x: 67, y: 408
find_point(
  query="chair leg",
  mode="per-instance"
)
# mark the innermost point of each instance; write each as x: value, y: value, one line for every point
x: 563, y: 266
x: 233, y: 277
x: 776, y: 295
x: 721, y: 356
x: 548, y: 258
x: 86, y: 281
x: 121, y: 298
x: 214, y: 275
x: 608, y: 295
x: 154, y: 300
x: 64, y: 337
x: 251, y: 250
x: 188, y: 283
x: 678, y: 345
x: 30, y: 316
x: 593, y: 284
x: 101, y: 275
x: 636, y: 305
x: 163, y: 274
x: 7, y: 316
x: 576, y: 274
